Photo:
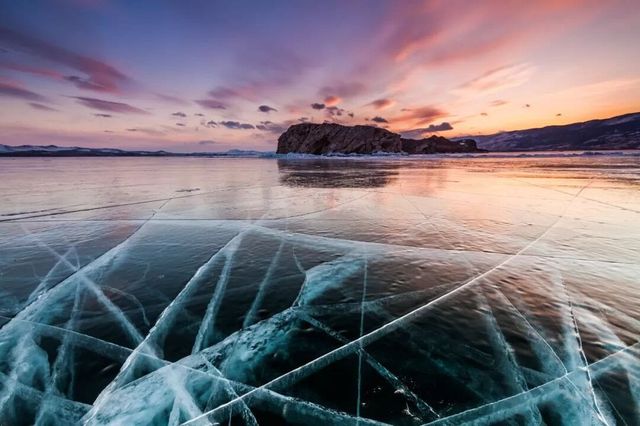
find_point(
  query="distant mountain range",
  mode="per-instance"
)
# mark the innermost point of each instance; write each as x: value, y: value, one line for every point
x: 621, y: 132
x: 74, y: 151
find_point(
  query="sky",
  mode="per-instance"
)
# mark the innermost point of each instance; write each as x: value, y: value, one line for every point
x: 212, y: 76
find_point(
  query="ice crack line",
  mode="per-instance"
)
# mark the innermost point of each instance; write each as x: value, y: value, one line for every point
x: 505, y: 407
x: 328, y: 358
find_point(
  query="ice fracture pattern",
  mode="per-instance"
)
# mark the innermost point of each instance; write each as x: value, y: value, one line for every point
x: 357, y: 292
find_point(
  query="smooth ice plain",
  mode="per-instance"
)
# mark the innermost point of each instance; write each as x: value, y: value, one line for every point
x: 441, y: 291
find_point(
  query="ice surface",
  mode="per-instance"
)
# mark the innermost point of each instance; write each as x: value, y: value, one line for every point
x: 335, y: 291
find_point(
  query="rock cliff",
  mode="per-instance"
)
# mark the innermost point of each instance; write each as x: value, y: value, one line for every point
x: 309, y: 138
x: 328, y: 138
x: 438, y: 144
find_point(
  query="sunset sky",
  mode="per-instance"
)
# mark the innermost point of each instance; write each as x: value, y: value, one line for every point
x: 213, y: 76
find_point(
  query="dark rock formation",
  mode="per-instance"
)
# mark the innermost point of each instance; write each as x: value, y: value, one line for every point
x: 438, y: 144
x: 327, y: 138
x: 310, y: 138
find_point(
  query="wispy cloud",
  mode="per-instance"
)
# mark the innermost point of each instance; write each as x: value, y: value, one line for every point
x: 16, y: 91
x: 381, y: 104
x: 109, y: 106
x: 171, y: 99
x: 341, y: 90
x: 415, y: 117
x: 98, y: 75
x: 496, y: 80
x: 274, y: 128
x: 211, y: 104
x: 41, y: 107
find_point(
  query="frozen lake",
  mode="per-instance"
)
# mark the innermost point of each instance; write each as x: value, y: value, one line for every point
x: 140, y: 291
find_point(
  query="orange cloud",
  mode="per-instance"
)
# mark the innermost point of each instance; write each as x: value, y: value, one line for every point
x: 416, y: 117
x: 332, y: 100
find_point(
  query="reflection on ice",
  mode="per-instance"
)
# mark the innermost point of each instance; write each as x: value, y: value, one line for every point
x: 336, y: 173
x: 324, y: 292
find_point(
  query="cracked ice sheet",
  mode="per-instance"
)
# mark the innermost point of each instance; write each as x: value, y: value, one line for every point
x: 423, y: 226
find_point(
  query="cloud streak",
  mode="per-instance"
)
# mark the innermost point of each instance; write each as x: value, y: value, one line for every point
x: 380, y: 104
x: 416, y: 117
x: 496, y: 80
x: 98, y: 75
x: 211, y: 104
x: 15, y: 91
x: 109, y: 106
x: 42, y: 107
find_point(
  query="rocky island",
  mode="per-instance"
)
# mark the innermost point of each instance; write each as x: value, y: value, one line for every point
x: 331, y: 138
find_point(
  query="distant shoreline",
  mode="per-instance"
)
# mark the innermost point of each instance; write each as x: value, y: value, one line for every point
x: 378, y: 156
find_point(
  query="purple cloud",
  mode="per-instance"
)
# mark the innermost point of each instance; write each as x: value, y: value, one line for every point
x: 266, y: 108
x: 439, y: 127
x: 236, y: 125
x: 334, y: 111
x: 211, y: 104
x: 109, y: 106
x: 378, y: 119
x: 100, y: 76
x: 382, y: 103
x: 343, y: 90
x: 15, y: 91
x: 41, y: 107
x: 171, y: 99
x: 317, y: 106
x: 417, y: 133
x: 103, y: 115
x: 271, y: 127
